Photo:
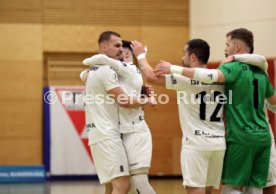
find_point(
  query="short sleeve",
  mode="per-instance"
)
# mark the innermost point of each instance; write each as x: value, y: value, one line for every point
x: 109, y: 78
x: 231, y: 71
x: 177, y: 82
x: 127, y: 70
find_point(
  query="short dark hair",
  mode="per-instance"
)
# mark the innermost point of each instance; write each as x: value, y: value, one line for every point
x: 126, y: 44
x: 200, y: 48
x: 244, y: 35
x: 104, y: 36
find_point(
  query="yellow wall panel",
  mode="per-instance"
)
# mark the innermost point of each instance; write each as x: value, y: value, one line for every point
x: 21, y: 80
x: 96, y: 12
x: 18, y: 11
x: 120, y: 12
x: 21, y: 119
x: 21, y: 132
x: 20, y: 42
x: 80, y: 38
x: 21, y: 151
x: 165, y: 43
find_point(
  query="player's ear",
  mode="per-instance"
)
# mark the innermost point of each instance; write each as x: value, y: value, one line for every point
x: 193, y: 57
x: 103, y: 46
x: 237, y: 47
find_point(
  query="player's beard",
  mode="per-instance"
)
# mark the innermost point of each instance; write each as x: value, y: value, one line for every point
x: 185, y: 65
x: 121, y: 57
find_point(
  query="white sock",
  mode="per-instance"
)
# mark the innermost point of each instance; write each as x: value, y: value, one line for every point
x: 132, y: 188
x: 229, y: 189
x: 253, y: 190
x: 141, y: 184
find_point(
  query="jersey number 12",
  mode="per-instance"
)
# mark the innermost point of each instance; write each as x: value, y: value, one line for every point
x: 202, y: 107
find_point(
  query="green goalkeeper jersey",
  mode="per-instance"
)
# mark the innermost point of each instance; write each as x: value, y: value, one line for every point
x: 246, y: 88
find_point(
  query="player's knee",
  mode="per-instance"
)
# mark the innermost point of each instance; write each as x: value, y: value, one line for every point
x: 121, y: 184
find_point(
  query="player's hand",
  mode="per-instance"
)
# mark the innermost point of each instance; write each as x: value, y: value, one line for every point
x: 228, y: 59
x: 152, y: 101
x: 147, y: 90
x: 84, y: 75
x: 137, y: 48
x: 162, y: 68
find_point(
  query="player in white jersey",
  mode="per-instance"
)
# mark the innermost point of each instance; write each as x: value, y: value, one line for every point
x: 102, y: 120
x: 201, y: 118
x: 135, y: 132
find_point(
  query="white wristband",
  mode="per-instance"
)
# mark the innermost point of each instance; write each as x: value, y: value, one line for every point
x: 141, y: 56
x: 176, y: 69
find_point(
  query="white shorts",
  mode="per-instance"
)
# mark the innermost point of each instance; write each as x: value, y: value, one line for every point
x: 138, y: 146
x: 110, y: 159
x: 201, y: 168
x: 271, y: 180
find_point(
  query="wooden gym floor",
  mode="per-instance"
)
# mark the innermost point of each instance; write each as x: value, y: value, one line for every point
x: 161, y: 186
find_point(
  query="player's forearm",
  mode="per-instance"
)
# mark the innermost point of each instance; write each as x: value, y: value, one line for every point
x: 127, y: 101
x: 199, y: 74
x: 271, y: 107
x: 148, y: 72
x: 133, y: 102
x: 101, y: 59
x: 252, y: 59
x: 272, y: 101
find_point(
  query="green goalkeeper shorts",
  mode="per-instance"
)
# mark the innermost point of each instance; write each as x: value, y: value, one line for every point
x: 246, y: 165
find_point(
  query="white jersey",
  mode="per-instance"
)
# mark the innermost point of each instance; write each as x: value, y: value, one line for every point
x: 101, y: 111
x: 201, y: 117
x: 130, y: 78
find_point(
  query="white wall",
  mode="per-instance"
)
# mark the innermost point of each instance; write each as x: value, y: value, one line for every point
x: 212, y: 19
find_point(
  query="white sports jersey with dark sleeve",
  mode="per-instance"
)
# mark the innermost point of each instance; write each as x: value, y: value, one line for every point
x: 200, y: 114
x: 101, y: 110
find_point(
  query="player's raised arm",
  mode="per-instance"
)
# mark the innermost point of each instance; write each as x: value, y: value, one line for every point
x: 126, y: 101
x: 251, y: 59
x: 144, y: 66
x: 101, y: 59
x: 200, y: 74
